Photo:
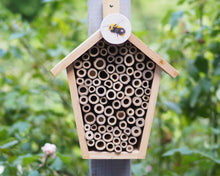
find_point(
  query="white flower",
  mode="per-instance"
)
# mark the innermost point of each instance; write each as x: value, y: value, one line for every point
x: 49, y: 149
x: 2, y: 168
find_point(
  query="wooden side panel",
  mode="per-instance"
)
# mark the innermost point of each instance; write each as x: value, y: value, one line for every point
x: 76, y: 53
x: 150, y: 112
x: 110, y: 6
x: 154, y: 56
x: 77, y: 111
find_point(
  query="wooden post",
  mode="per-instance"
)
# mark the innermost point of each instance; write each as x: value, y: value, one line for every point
x: 106, y: 167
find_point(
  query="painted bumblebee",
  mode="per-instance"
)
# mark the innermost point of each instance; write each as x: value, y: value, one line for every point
x: 114, y: 28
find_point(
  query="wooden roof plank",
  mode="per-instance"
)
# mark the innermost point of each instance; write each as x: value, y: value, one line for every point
x: 154, y: 56
x: 76, y: 53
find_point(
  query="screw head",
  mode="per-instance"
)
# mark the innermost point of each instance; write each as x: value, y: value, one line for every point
x: 111, y: 5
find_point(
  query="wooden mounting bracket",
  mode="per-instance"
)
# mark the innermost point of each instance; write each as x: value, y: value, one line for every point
x: 110, y: 6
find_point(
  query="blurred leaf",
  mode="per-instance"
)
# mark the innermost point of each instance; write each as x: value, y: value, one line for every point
x: 194, y: 95
x: 182, y: 150
x: 57, y: 164
x: 20, y: 126
x: 34, y: 173
x: 216, y: 130
x: 138, y: 169
x: 218, y: 94
x: 17, y: 35
x: 2, y: 53
x: 174, y: 106
x: 9, y: 144
x: 202, y: 64
x: 174, y: 18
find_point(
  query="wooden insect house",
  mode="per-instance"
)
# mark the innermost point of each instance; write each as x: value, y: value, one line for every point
x: 114, y: 80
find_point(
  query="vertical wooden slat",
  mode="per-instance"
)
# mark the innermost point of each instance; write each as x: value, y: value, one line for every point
x: 106, y: 167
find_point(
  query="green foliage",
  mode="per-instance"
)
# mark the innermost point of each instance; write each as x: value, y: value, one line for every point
x: 35, y: 107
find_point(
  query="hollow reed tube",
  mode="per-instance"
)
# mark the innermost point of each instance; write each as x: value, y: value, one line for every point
x: 120, y: 115
x: 145, y: 84
x: 103, y: 52
x: 110, y: 59
x: 81, y: 72
x: 90, y: 118
x: 101, y: 119
x: 107, y: 137
x: 99, y: 108
x: 109, y: 128
x: 88, y: 82
x: 96, y: 82
x: 140, y: 66
x: 108, y: 84
x: 102, y: 129
x: 94, y: 51
x: 86, y: 108
x: 103, y: 75
x: 132, y: 140
x: 139, y: 112
x: 83, y: 100
x: 123, y: 144
x: 147, y: 91
x: 116, y: 104
x: 100, y: 44
x: 92, y: 73
x: 91, y: 143
x: 132, y: 50
x: 97, y: 136
x: 116, y: 132
x: 136, y: 131
x: 112, y: 50
x: 144, y: 105
x: 82, y: 90
x: 100, y: 91
x: 139, y: 122
x: 139, y: 56
x: 146, y: 98
x: 118, y: 149
x: 118, y: 59
x: 91, y: 89
x: 130, y: 71
x: 137, y: 74
x: 94, y: 127
x: 123, y: 137
x: 137, y: 101
x: 93, y: 99
x: 86, y: 64
x: 116, y: 140
x: 139, y: 92
x: 122, y: 124
x: 126, y: 102
x: 79, y: 81
x: 150, y: 65
x: 129, y: 90
x: 103, y: 100
x: 77, y: 64
x: 127, y: 131
x: 112, y: 120
x: 117, y: 86
x: 129, y: 60
x: 99, y: 63
x: 110, y: 146
x: 124, y: 79
x: 85, y: 56
x: 148, y: 75
x: 100, y: 145
x: 120, y: 68
x: 114, y: 77
x: 110, y: 68
x: 87, y: 127
x: 129, y: 148
x: 131, y: 120
x: 89, y: 135
x: 136, y: 83
x: 130, y: 112
x: 111, y: 94
x: 108, y: 111
x: 120, y: 95
x: 123, y: 50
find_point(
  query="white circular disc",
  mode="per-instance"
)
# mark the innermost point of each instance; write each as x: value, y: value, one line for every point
x: 116, y: 28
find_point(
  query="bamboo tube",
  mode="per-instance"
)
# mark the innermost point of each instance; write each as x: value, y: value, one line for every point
x: 108, y: 84
x: 130, y: 71
x: 129, y: 148
x: 148, y: 75
x: 99, y: 108
x: 88, y: 82
x: 131, y: 120
x: 116, y: 141
x: 127, y: 131
x: 146, y: 98
x: 99, y: 63
x: 128, y: 44
x: 110, y: 147
x: 132, y: 50
x: 144, y: 105
x: 86, y: 108
x: 120, y: 68
x: 93, y: 99
x: 117, y: 86
x: 82, y: 90
x: 129, y: 91
x: 125, y: 79
x: 100, y: 44
x: 101, y: 119
x: 123, y: 137
x: 136, y: 131
x: 79, y: 81
x: 85, y: 56
x: 103, y: 100
x: 107, y: 137
x: 137, y: 101
x: 97, y: 136
x: 137, y: 74
x: 139, y: 56
x: 94, y: 51
x: 114, y: 77
x: 122, y: 124
x: 118, y: 59
x: 112, y: 120
x: 103, y: 75
x: 140, y: 66
x: 96, y: 82
x: 91, y: 89
x: 100, y: 91
x: 136, y: 83
x: 139, y: 122
x: 103, y: 52
x: 102, y: 129
x: 123, y: 51
x: 108, y: 111
x: 89, y: 118
x: 94, y: 127
x: 130, y: 112
x: 120, y: 115
x: 83, y: 100
x: 123, y: 144
x: 110, y: 68
x: 81, y: 72
x: 139, y: 112
x: 100, y: 145
x: 118, y: 149
x: 112, y: 50
x: 91, y: 143
x: 116, y: 104
x: 139, y: 92
x: 77, y: 64
x: 145, y: 84
x: 147, y: 91
x: 109, y: 128
x: 132, y: 140
x: 86, y: 64
x: 92, y: 73
x: 111, y: 94
x: 129, y: 60
x: 126, y: 102
x: 120, y: 95
x: 87, y: 127
x: 110, y: 59
x: 116, y: 132
x: 150, y: 65
x: 89, y: 135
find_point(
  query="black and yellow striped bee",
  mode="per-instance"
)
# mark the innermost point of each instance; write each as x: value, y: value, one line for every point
x: 114, y: 28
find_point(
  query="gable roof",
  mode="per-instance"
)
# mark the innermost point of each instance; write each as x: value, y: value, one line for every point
x: 93, y: 39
